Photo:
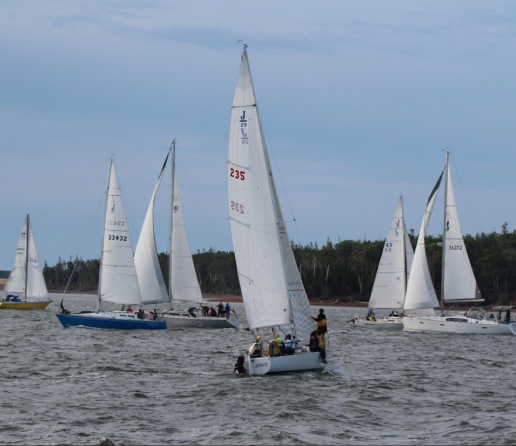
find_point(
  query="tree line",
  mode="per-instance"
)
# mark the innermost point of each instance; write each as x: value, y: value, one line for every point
x: 336, y: 271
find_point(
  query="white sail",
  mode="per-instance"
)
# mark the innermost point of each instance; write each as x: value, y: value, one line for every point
x: 185, y: 286
x: 265, y: 263
x: 421, y: 298
x: 118, y: 279
x: 16, y: 282
x: 389, y: 284
x: 459, y: 280
x: 36, y: 286
x: 150, y: 277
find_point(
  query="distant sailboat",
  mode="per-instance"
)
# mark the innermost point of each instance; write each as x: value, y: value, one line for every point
x: 390, y: 284
x: 183, y: 284
x: 458, y: 284
x: 26, y: 289
x: 118, y: 282
x: 274, y: 297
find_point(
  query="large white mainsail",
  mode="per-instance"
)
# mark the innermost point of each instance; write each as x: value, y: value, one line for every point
x: 150, y: 277
x: 420, y: 297
x: 390, y: 282
x: 26, y: 272
x: 459, y: 281
x: 118, y: 279
x: 271, y: 286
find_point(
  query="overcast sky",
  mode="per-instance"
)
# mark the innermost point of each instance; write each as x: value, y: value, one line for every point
x: 358, y: 100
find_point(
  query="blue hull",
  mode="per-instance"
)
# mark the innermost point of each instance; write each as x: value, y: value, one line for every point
x: 75, y: 320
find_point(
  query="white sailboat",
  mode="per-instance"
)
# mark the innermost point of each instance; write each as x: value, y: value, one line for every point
x: 184, y: 287
x: 458, y: 284
x: 390, y: 284
x: 118, y: 282
x: 25, y: 288
x: 273, y: 293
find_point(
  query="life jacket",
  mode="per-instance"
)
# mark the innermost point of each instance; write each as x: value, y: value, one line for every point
x: 274, y: 349
x: 314, y: 342
x: 321, y: 323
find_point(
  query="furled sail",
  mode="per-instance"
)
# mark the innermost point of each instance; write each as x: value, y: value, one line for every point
x: 420, y: 289
x: 150, y: 277
x: 459, y: 280
x: 389, y: 285
x: 255, y: 215
x: 118, y: 279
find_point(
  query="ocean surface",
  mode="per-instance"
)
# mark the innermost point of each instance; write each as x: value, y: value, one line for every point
x: 87, y: 386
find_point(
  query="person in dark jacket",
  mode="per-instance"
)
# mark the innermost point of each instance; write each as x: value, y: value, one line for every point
x: 322, y: 328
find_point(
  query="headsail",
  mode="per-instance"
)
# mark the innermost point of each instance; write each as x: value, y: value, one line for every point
x: 150, y: 277
x: 390, y: 282
x: 459, y: 280
x: 420, y: 289
x: 185, y: 286
x: 118, y: 279
x: 36, y: 286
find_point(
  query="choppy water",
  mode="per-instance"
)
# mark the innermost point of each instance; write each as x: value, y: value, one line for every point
x: 81, y: 386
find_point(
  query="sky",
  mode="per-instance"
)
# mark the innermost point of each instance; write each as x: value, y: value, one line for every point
x: 359, y: 100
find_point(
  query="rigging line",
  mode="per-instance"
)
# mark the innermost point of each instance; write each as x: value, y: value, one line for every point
x: 86, y: 239
x: 469, y: 203
x: 269, y: 145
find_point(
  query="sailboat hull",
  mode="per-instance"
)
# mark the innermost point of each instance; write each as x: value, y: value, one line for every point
x: 109, y: 321
x: 381, y: 324
x: 181, y: 321
x: 301, y: 362
x: 460, y: 325
x: 24, y: 305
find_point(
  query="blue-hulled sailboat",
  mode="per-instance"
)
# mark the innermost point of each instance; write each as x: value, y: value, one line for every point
x: 118, y: 281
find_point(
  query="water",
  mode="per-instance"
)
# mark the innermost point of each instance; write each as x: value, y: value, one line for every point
x: 84, y: 386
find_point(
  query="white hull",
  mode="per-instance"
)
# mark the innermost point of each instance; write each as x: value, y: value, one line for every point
x: 381, y: 324
x: 175, y: 320
x: 281, y: 364
x: 468, y: 326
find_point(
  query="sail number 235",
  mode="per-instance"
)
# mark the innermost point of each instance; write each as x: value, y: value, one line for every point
x: 238, y: 174
x: 237, y: 207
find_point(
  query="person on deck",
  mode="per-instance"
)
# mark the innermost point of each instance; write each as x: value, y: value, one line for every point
x: 205, y: 310
x: 322, y: 328
x: 129, y: 309
x: 213, y: 312
x: 221, y: 311
x: 228, y: 310
x: 508, y: 316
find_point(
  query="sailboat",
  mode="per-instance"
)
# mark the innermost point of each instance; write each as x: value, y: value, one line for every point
x: 26, y: 289
x: 392, y: 276
x: 458, y: 283
x: 183, y: 284
x: 274, y: 296
x: 118, y: 282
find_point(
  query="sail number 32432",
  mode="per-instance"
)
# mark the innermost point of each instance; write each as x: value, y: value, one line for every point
x: 237, y: 207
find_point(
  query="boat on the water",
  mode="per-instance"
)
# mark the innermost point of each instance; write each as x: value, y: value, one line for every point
x: 390, y: 284
x: 118, y: 282
x: 458, y: 283
x: 184, y: 289
x: 274, y: 296
x: 25, y: 288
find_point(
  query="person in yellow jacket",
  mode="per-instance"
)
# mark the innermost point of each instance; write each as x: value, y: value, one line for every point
x: 322, y: 328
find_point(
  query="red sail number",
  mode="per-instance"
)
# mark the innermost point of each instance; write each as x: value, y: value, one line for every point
x: 237, y: 174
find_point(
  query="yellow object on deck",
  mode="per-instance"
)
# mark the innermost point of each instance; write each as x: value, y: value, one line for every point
x: 24, y: 305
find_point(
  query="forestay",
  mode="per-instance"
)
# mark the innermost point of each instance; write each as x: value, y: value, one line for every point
x: 459, y: 280
x: 118, y: 279
x: 390, y: 282
x: 420, y: 289
x: 150, y: 277
x: 271, y: 286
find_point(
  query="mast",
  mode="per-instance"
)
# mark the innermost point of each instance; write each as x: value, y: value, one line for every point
x: 403, y: 250
x: 27, y: 256
x: 446, y: 170
x: 173, y: 172
x: 102, y: 239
